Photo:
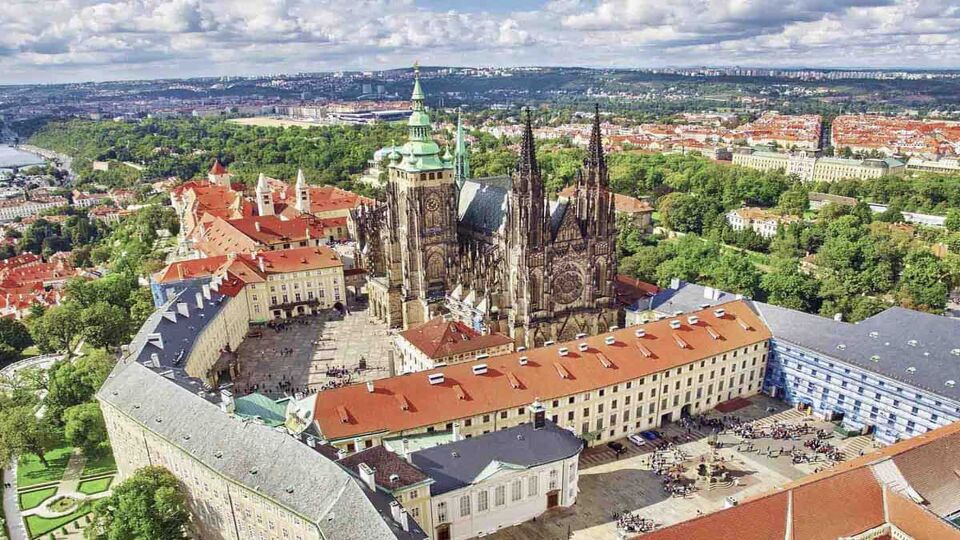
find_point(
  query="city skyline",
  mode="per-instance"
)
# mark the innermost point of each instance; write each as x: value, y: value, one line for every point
x: 76, y: 40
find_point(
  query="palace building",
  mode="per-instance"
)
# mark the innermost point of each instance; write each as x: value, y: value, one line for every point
x: 492, y: 252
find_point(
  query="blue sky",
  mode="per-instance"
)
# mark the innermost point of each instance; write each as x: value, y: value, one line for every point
x: 78, y: 40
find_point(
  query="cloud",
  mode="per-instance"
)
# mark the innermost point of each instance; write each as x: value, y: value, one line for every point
x: 61, y: 40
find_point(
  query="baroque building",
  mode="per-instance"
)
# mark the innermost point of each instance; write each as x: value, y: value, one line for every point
x: 492, y: 252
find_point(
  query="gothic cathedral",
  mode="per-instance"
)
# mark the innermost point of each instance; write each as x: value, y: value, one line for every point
x: 492, y: 252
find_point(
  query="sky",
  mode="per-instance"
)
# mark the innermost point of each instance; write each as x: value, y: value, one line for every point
x: 53, y: 41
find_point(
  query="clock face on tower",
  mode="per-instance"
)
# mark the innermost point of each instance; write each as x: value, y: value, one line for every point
x: 567, y: 285
x: 433, y: 202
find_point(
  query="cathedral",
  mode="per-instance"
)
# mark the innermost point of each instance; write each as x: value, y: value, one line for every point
x: 491, y: 252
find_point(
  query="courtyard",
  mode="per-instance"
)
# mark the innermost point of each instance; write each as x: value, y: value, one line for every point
x: 310, y: 353
x: 611, y: 486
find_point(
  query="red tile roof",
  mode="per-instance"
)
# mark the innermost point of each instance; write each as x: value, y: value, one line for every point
x: 622, y: 203
x: 218, y: 168
x: 249, y: 234
x: 439, y: 338
x: 247, y: 267
x: 539, y: 379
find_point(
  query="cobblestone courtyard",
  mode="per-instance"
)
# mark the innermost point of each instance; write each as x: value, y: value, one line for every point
x: 609, y: 485
x: 297, y: 358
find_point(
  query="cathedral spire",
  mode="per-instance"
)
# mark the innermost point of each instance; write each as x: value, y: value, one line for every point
x: 595, y: 150
x: 527, y: 165
x: 461, y: 163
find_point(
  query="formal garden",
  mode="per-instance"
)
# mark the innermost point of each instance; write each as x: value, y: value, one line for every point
x: 56, y: 498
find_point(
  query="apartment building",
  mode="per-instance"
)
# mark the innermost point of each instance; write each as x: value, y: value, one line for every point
x: 441, y: 342
x: 893, y: 374
x: 763, y: 222
x: 218, y: 236
x: 12, y: 209
x: 602, y: 387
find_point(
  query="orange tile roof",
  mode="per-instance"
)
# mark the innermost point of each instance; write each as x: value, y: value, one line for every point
x: 539, y: 379
x: 251, y: 233
x: 622, y: 203
x: 327, y: 198
x: 218, y: 168
x: 439, y: 338
x: 247, y: 267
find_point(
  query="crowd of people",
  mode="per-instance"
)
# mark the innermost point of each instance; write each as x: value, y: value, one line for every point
x: 633, y: 523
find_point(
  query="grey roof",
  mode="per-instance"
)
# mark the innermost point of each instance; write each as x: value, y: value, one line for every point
x: 557, y: 210
x: 482, y: 206
x: 887, y: 343
x: 457, y: 464
x: 178, y: 337
x: 683, y: 297
x: 261, y: 458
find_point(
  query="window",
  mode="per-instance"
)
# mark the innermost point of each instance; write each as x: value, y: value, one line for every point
x: 532, y: 486
x: 482, y: 502
x: 517, y: 491
x: 465, y: 506
x: 442, y: 511
x: 553, y: 479
x: 499, y: 496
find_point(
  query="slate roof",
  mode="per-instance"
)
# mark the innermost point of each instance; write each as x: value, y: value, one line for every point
x: 254, y: 455
x: 482, y: 206
x: 684, y: 298
x: 385, y: 464
x: 557, y: 210
x: 457, y: 464
x: 887, y: 343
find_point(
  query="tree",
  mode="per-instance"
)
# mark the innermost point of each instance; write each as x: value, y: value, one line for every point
x: 84, y: 428
x: 14, y: 334
x: 952, y: 223
x: 22, y: 432
x: 57, y: 328
x: 794, y: 201
x: 150, y: 504
x: 73, y: 383
x: 920, y: 283
x: 733, y: 272
x: 786, y: 286
x: 105, y: 325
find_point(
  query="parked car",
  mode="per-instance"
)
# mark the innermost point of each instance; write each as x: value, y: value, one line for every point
x: 616, y: 447
x: 637, y: 440
x: 649, y: 435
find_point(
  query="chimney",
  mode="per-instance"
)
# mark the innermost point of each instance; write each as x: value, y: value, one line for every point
x: 341, y: 453
x: 405, y: 448
x: 370, y: 386
x: 675, y: 283
x: 155, y: 360
x: 199, y: 300
x: 404, y: 520
x: 838, y: 317
x: 456, y: 432
x: 367, y: 476
x: 260, y: 261
x: 206, y: 291
x: 256, y: 225
x: 395, y: 511
x: 226, y: 401
x: 183, y: 309
x: 539, y: 414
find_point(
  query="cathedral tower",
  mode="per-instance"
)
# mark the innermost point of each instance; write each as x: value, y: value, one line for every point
x: 461, y: 157
x: 422, y: 191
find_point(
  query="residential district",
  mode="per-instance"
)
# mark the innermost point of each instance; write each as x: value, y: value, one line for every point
x: 463, y: 360
x: 513, y: 384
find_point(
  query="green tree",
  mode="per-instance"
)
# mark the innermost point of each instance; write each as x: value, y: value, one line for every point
x: 73, y: 383
x: 952, y: 223
x: 84, y: 428
x: 14, y: 334
x: 920, y: 284
x: 150, y: 505
x: 105, y: 325
x: 733, y: 272
x: 21, y: 432
x: 786, y: 286
x: 794, y: 201
x: 57, y: 328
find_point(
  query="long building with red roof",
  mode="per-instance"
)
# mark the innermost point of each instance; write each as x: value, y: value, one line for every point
x: 602, y: 387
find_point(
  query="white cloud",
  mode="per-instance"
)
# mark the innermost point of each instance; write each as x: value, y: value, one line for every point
x: 52, y: 40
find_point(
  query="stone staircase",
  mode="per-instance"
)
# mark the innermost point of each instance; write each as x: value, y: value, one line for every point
x: 851, y: 447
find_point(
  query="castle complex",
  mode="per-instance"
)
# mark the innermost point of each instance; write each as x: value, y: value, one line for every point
x: 492, y: 252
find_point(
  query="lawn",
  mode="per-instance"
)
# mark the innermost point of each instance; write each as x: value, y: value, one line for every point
x: 30, y: 471
x: 99, y: 465
x: 95, y: 486
x: 38, y: 526
x: 33, y: 499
